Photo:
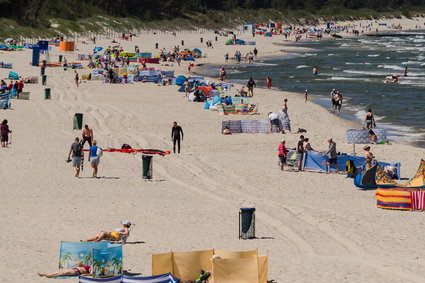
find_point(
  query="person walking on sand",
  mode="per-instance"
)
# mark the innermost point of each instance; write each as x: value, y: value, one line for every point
x: 76, y: 78
x: 176, y: 131
x: 255, y: 52
x: 4, y: 133
x: 87, y: 135
x: 282, y: 152
x: 368, y: 155
x: 95, y: 153
x: 251, y: 84
x: 300, y: 152
x: 306, y: 96
x: 332, y: 156
x: 77, y: 156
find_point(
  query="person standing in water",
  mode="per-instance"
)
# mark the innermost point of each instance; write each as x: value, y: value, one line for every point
x: 268, y: 82
x: 315, y: 71
x: 176, y: 130
x: 405, y: 72
x: 369, y: 120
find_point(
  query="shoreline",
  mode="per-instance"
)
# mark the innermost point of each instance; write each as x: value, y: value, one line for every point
x: 348, y: 113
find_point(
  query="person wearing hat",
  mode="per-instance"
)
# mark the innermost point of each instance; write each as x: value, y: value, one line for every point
x: 282, y: 152
x: 332, y: 156
x: 115, y: 235
x: 368, y: 157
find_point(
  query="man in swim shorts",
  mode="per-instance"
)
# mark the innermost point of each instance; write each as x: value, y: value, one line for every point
x: 77, y: 152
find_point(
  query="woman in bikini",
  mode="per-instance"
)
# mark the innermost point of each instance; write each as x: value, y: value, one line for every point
x: 116, y: 235
x: 76, y: 271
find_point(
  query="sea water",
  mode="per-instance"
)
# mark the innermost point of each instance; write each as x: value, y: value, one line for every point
x: 357, y: 68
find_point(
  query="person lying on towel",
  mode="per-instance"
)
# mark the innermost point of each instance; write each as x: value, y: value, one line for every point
x: 76, y: 271
x: 120, y: 234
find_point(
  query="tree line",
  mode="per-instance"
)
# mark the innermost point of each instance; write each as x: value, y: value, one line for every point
x: 38, y: 12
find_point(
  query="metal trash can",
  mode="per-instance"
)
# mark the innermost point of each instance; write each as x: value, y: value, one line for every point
x: 182, y: 42
x: 147, y: 166
x: 247, y: 223
x: 42, y: 71
x: 156, y: 45
x: 47, y: 93
x: 44, y: 79
x: 78, y: 121
x: 60, y: 58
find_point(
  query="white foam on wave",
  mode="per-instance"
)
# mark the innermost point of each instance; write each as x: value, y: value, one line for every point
x: 373, y: 55
x: 265, y: 64
x: 302, y: 66
x: 371, y: 73
x: 310, y: 54
x: 393, y: 67
x: 410, y: 63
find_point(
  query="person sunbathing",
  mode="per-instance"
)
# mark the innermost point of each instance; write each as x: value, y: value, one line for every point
x: 76, y: 271
x: 116, y: 235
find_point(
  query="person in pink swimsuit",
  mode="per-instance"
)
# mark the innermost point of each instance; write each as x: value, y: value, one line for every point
x: 76, y: 271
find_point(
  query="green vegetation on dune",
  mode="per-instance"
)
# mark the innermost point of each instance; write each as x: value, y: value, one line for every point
x: 34, y: 18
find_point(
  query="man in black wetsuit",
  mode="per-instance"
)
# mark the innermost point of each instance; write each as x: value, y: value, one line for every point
x: 176, y: 130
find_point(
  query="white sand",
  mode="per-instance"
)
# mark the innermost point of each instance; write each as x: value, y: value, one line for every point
x: 316, y: 227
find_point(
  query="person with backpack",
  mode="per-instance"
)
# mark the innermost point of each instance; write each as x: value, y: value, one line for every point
x: 77, y: 155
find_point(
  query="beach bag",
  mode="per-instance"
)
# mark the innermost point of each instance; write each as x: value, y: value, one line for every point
x: 125, y: 146
x: 99, y: 152
x: 350, y: 168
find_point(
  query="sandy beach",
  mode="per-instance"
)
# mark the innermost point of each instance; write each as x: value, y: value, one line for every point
x: 315, y: 227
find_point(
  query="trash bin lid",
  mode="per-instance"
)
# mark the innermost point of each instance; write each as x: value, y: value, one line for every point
x: 247, y: 209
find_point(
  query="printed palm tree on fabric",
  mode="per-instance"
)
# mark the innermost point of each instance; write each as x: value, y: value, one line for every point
x: 116, y: 263
x: 66, y: 258
x: 96, y: 266
x: 88, y: 259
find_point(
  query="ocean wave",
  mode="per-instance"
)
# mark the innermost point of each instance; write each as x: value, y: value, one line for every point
x: 370, y: 73
x: 302, y: 66
x: 373, y: 55
x: 393, y: 67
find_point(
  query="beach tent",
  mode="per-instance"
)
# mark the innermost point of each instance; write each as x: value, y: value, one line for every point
x: 229, y: 42
x: 247, y: 267
x: 317, y: 161
x: 418, y: 181
x: 163, y: 278
x: 367, y: 179
x: 268, y: 34
x: 13, y: 76
x: 180, y: 80
x: 97, y: 49
x: 196, y: 50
